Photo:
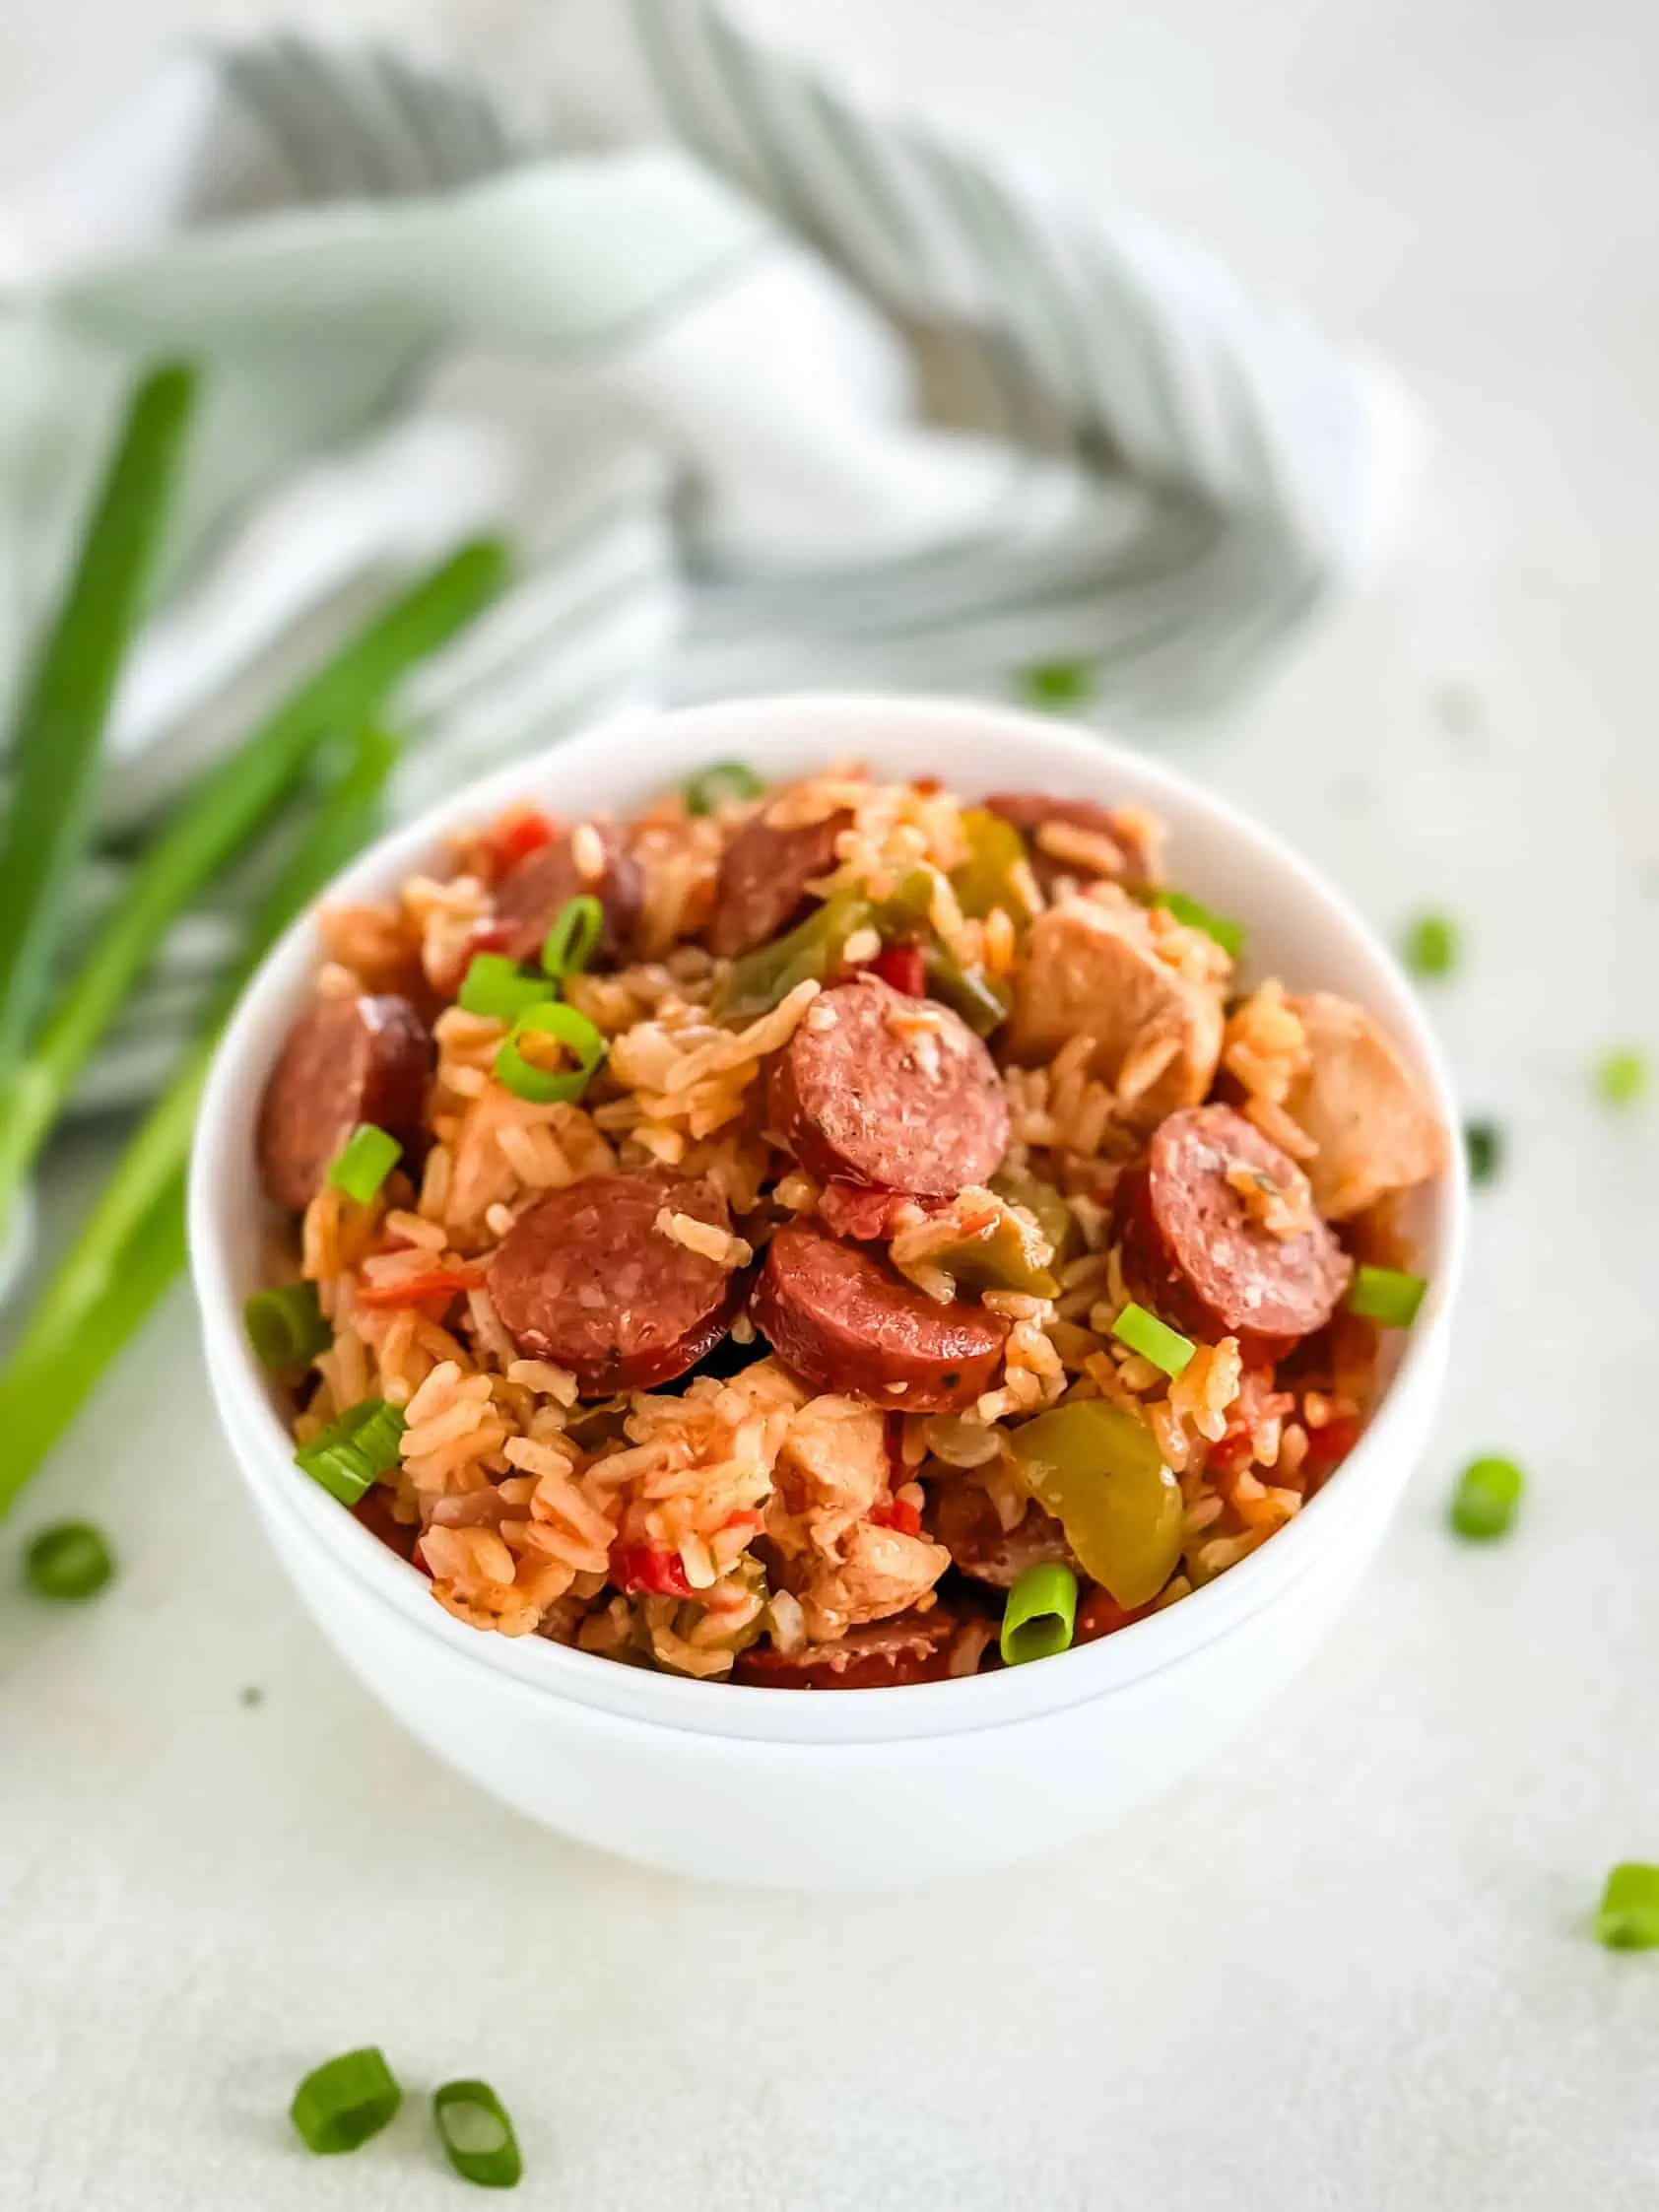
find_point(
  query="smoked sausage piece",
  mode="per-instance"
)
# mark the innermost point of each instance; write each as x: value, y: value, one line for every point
x: 879, y: 1089
x: 344, y: 1060
x: 881, y: 1655
x: 531, y: 894
x: 844, y: 1322
x: 588, y: 1280
x: 968, y: 1524
x: 1194, y: 1221
x: 764, y: 877
x: 1028, y: 810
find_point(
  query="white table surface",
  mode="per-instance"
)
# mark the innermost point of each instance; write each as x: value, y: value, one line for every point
x: 1348, y: 1967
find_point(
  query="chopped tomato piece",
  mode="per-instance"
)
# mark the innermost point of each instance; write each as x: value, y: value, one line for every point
x: 899, y: 1514
x: 640, y: 1570
x: 516, y: 839
x: 904, y: 966
x: 1329, y: 1447
x: 415, y: 1290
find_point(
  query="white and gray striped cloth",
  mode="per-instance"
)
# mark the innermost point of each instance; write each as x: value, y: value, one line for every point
x: 772, y: 390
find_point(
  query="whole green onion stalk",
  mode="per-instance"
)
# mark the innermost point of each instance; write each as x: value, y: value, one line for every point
x: 131, y: 1244
x: 223, y: 810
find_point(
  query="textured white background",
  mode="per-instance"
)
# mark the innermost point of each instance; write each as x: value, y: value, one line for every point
x: 1350, y: 1965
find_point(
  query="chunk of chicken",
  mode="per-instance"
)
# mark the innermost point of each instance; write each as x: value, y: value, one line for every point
x: 1361, y: 1107
x: 880, y: 1571
x: 1090, y: 967
x: 832, y: 1468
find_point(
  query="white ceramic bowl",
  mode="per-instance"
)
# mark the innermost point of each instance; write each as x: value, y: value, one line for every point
x: 871, y: 1786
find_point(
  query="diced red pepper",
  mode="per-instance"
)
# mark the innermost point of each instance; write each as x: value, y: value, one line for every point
x: 904, y: 966
x: 899, y: 1514
x: 415, y: 1290
x: 516, y: 839
x: 640, y: 1570
x: 1329, y: 1447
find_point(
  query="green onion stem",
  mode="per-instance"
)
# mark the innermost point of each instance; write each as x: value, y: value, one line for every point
x: 223, y: 810
x: 56, y: 751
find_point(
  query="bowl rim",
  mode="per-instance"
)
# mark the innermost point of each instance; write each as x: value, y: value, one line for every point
x: 829, y: 725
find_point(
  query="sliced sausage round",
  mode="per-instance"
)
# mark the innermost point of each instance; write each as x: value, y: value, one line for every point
x: 1027, y: 811
x: 881, y: 1655
x: 531, y: 894
x: 1199, y: 1252
x: 879, y: 1089
x: 588, y: 1280
x: 845, y: 1322
x: 764, y: 877
x: 968, y: 1524
x: 344, y: 1061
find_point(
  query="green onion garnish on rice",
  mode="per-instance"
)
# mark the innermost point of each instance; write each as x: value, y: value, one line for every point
x: 72, y: 1559
x: 499, y: 989
x: 345, y: 2100
x: 1622, y: 1076
x: 1387, y: 1294
x: 1230, y: 935
x: 286, y: 1326
x: 1053, y: 684
x: 477, y: 2134
x: 1483, y: 1141
x: 1483, y: 1504
x: 723, y: 785
x: 1628, y: 1917
x: 353, y: 1450
x: 364, y: 1162
x: 547, y: 1085
x: 1430, y: 947
x: 570, y: 943
x: 1145, y: 1333
x: 1039, y: 1618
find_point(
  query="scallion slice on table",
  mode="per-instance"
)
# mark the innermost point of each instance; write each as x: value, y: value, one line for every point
x: 477, y: 2134
x: 364, y: 1162
x: 223, y: 810
x: 1628, y: 1917
x: 1483, y: 1504
x: 551, y: 1017
x: 1053, y: 684
x: 1430, y: 946
x: 72, y: 1559
x: 1482, y: 1142
x: 1622, y: 1076
x: 1387, y: 1294
x: 569, y: 945
x: 1230, y: 935
x: 344, y: 2102
x: 286, y: 1326
x: 54, y: 752
x: 353, y: 1450
x: 723, y: 785
x: 1041, y: 1613
x: 499, y: 989
x: 1145, y: 1333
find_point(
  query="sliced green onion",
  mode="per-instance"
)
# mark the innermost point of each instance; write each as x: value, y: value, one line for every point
x: 1483, y: 1505
x: 364, y: 1162
x: 344, y: 2102
x: 71, y: 1560
x: 1387, y: 1294
x: 1036, y: 1620
x: 499, y: 987
x: 1622, y: 1075
x: 1053, y: 684
x: 570, y: 943
x: 1145, y: 1333
x: 544, y: 1086
x: 1430, y: 945
x: 1483, y: 1141
x: 1230, y: 935
x: 477, y: 2134
x: 723, y: 785
x: 353, y: 1450
x: 286, y: 1326
x: 1628, y: 1917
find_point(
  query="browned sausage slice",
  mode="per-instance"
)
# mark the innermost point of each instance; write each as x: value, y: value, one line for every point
x: 1030, y: 811
x: 344, y: 1060
x: 588, y: 1279
x: 764, y: 877
x: 532, y: 892
x: 844, y: 1322
x: 881, y: 1089
x: 966, y: 1523
x: 881, y: 1655
x: 1197, y: 1247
